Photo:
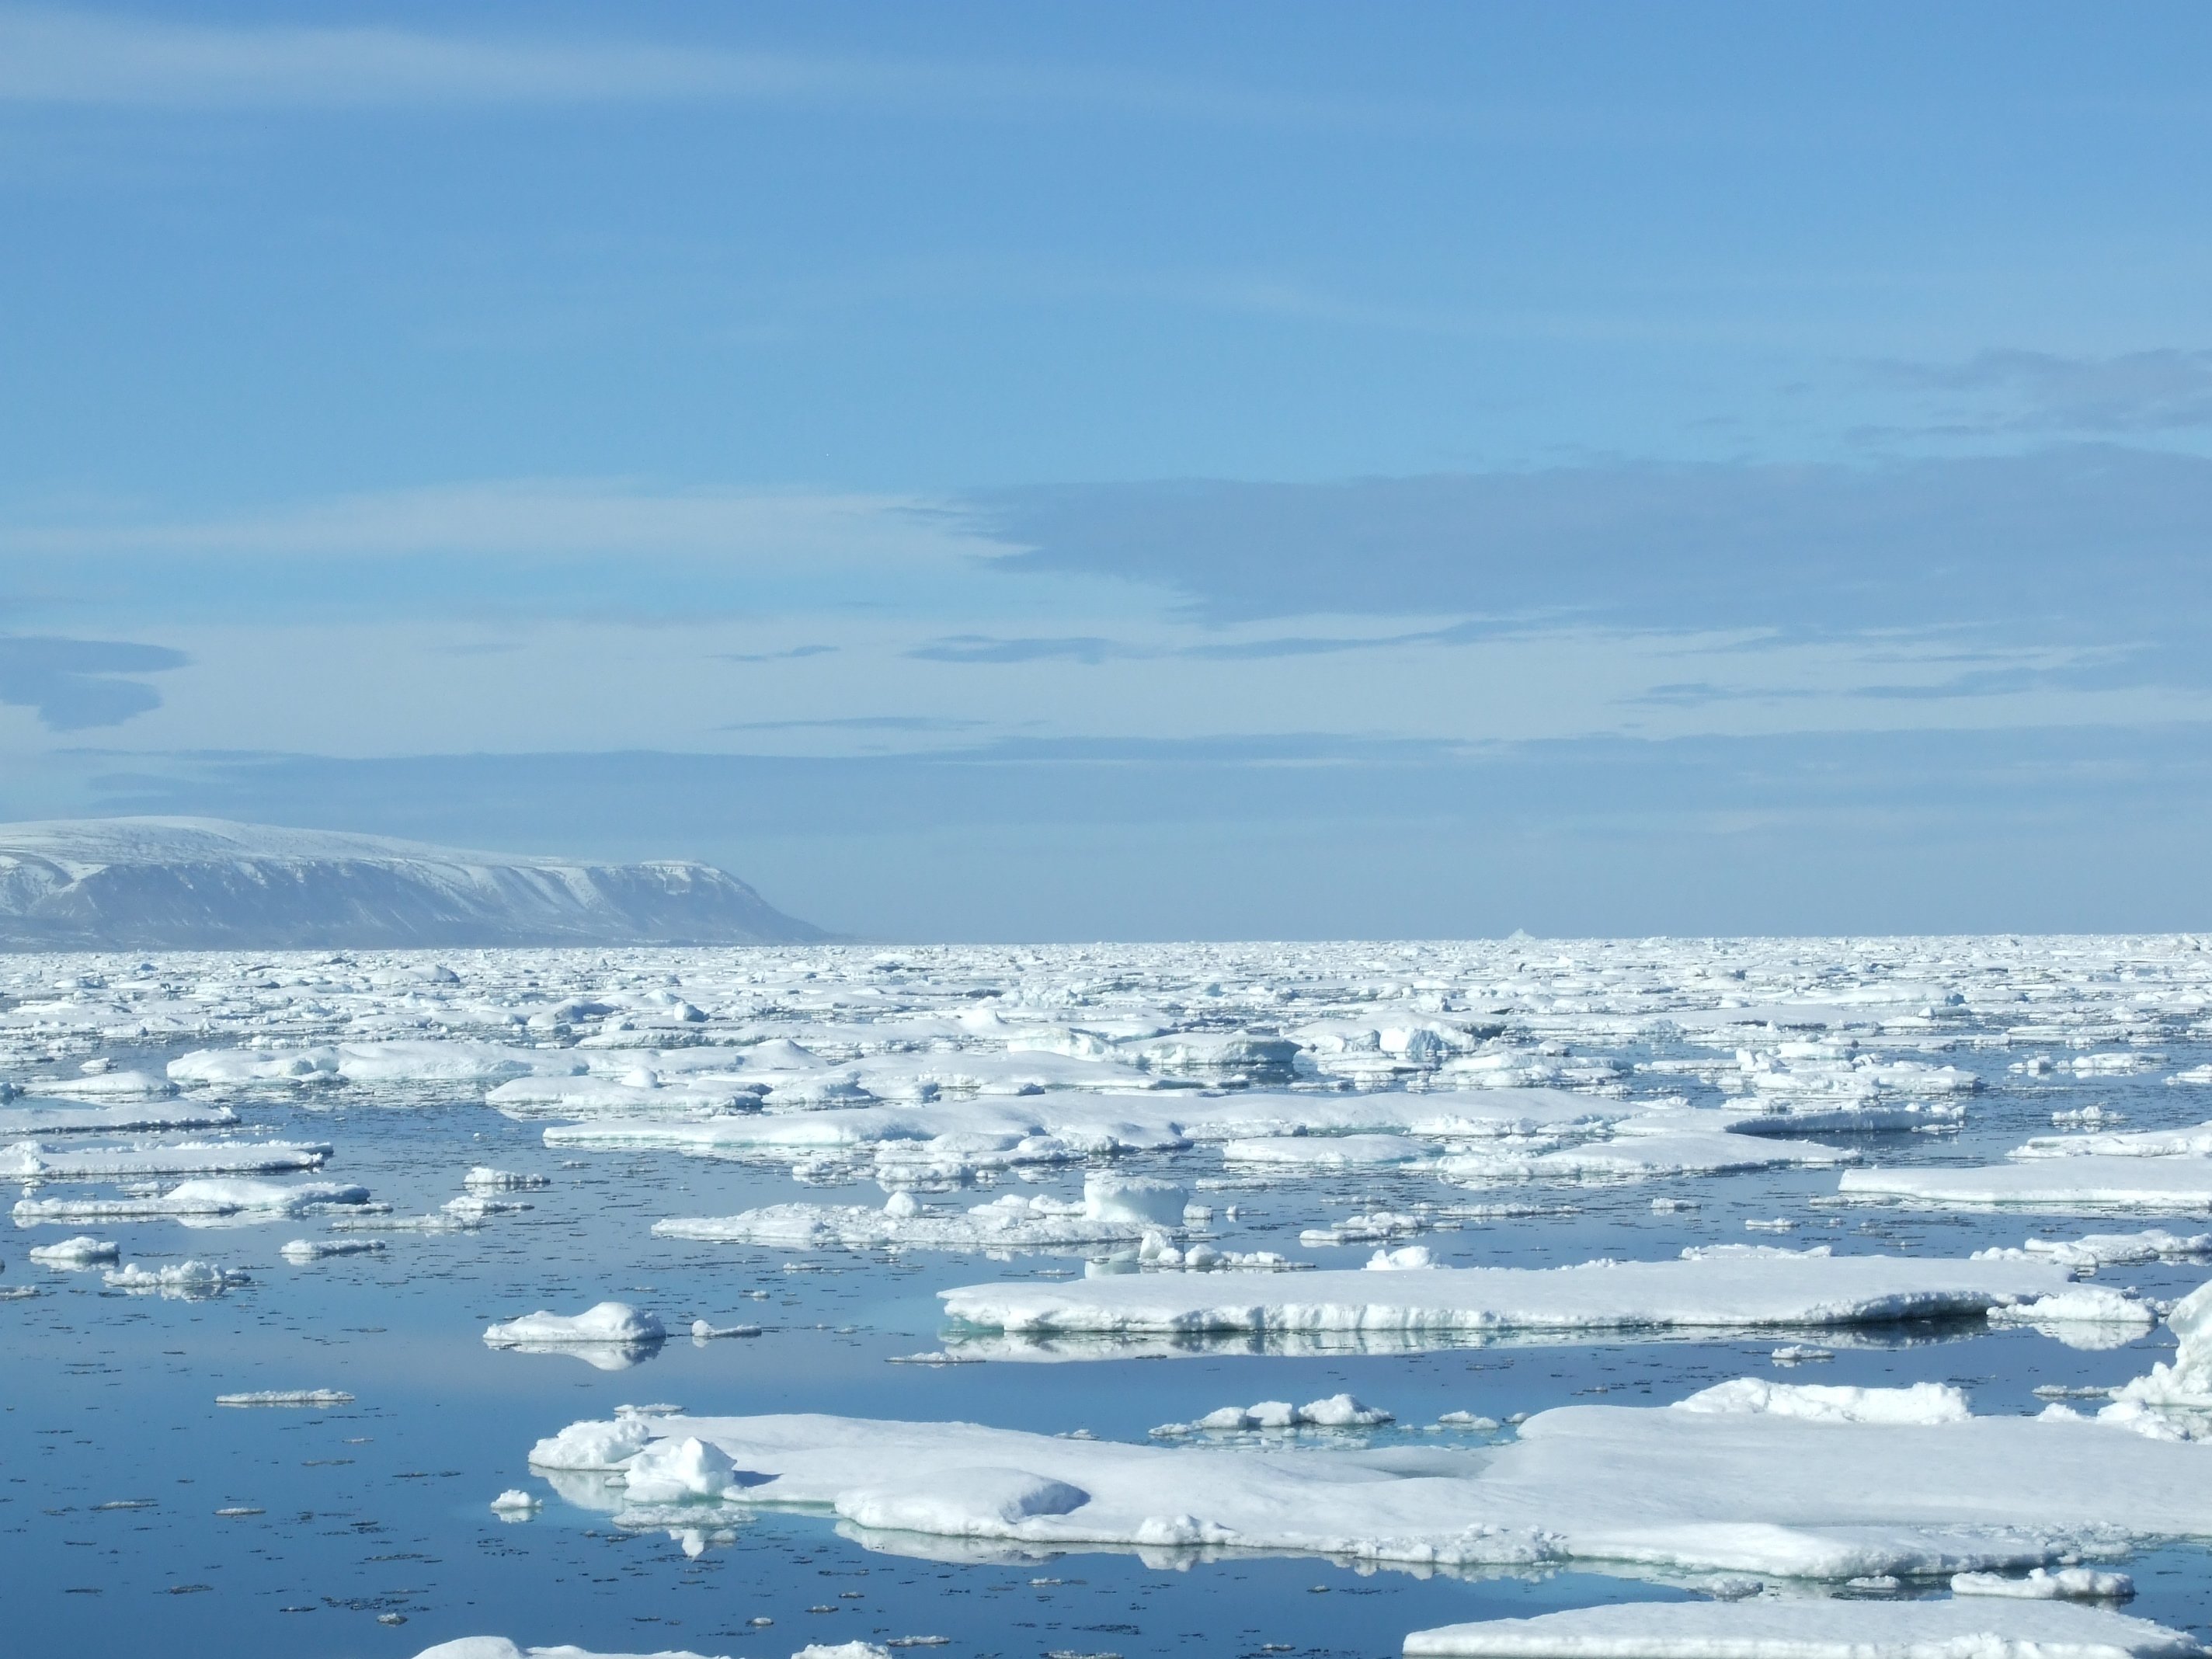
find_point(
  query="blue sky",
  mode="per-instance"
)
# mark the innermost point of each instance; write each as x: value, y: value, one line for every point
x: 1142, y: 471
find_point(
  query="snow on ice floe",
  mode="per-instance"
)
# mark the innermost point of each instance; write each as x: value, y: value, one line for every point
x: 2184, y: 1382
x: 1112, y: 1210
x: 26, y: 1160
x: 2192, y: 1142
x: 1735, y: 1483
x: 2094, y: 1250
x: 2087, y: 1185
x: 1291, y: 1153
x: 200, y: 1202
x: 1751, y: 1291
x: 1808, y: 1629
x: 2042, y: 1584
x: 1278, y: 1417
x: 83, y: 1251
x: 608, y: 1335
x: 35, y: 1121
x: 299, y: 1251
x: 107, y: 1085
x: 188, y: 1279
x: 498, y: 1647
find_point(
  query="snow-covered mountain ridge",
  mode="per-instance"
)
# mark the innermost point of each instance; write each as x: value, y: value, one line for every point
x: 204, y: 884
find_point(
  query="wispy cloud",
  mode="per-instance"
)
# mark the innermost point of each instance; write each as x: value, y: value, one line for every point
x: 2165, y: 390
x: 550, y: 519
x: 73, y: 59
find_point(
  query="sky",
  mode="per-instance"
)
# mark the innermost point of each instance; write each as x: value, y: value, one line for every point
x: 1146, y: 472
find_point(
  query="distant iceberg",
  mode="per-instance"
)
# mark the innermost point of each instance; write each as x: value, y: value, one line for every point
x: 204, y: 884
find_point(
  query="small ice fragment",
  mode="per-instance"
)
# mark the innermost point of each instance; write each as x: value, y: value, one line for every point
x: 1467, y: 1420
x: 300, y: 1251
x: 485, y: 1179
x: 1799, y: 1353
x: 606, y: 1321
x: 1405, y: 1258
x: 187, y: 1279
x: 287, y: 1397
x: 516, y: 1502
x: 83, y: 1251
x: 702, y: 1331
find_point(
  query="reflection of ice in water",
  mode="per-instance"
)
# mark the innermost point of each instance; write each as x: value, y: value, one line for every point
x: 599, y: 1356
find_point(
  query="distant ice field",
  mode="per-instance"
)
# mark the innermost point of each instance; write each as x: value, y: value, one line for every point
x: 1973, y: 1170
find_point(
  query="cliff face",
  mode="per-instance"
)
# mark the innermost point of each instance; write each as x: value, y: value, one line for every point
x: 204, y: 883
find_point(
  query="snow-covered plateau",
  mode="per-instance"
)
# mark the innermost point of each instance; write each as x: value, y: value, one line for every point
x: 201, y: 883
x: 1650, y: 1299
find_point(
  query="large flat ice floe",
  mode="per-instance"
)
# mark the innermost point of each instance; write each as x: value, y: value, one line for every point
x: 53, y: 1119
x: 1111, y: 1210
x: 1745, y: 1289
x: 2090, y: 1185
x: 1740, y: 1481
x: 26, y: 1160
x: 1805, y: 1629
x: 191, y: 1201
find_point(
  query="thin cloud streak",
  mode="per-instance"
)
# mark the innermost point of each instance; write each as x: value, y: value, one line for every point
x: 58, y: 59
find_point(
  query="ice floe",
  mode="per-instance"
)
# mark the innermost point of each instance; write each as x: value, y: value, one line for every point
x: 2042, y: 1584
x: 1340, y: 1411
x: 35, y: 1121
x: 2087, y: 1185
x: 83, y: 1251
x: 303, y: 1250
x: 26, y: 1160
x: 2193, y: 1142
x: 191, y: 1201
x: 178, y: 1279
x: 2094, y: 1250
x: 1805, y: 1629
x: 608, y: 1336
x: 1711, y: 1291
x: 1734, y: 1485
x: 1112, y: 1210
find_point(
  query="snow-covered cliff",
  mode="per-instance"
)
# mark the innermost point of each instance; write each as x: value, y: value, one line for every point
x: 204, y: 884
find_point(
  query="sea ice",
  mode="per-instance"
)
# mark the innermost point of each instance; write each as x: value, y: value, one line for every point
x: 193, y: 1202
x: 83, y: 1251
x: 2194, y: 1142
x: 304, y: 1250
x: 1799, y: 1629
x: 615, y: 1323
x: 1831, y: 1495
x: 2067, y: 1584
x: 113, y: 1119
x: 183, y: 1279
x: 288, y: 1397
x: 1112, y: 1210
x: 1713, y: 1291
x: 1340, y: 1411
x: 2089, y: 1184
x: 2095, y: 1251
x: 498, y: 1647
x: 28, y: 1161
x: 1329, y: 1152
